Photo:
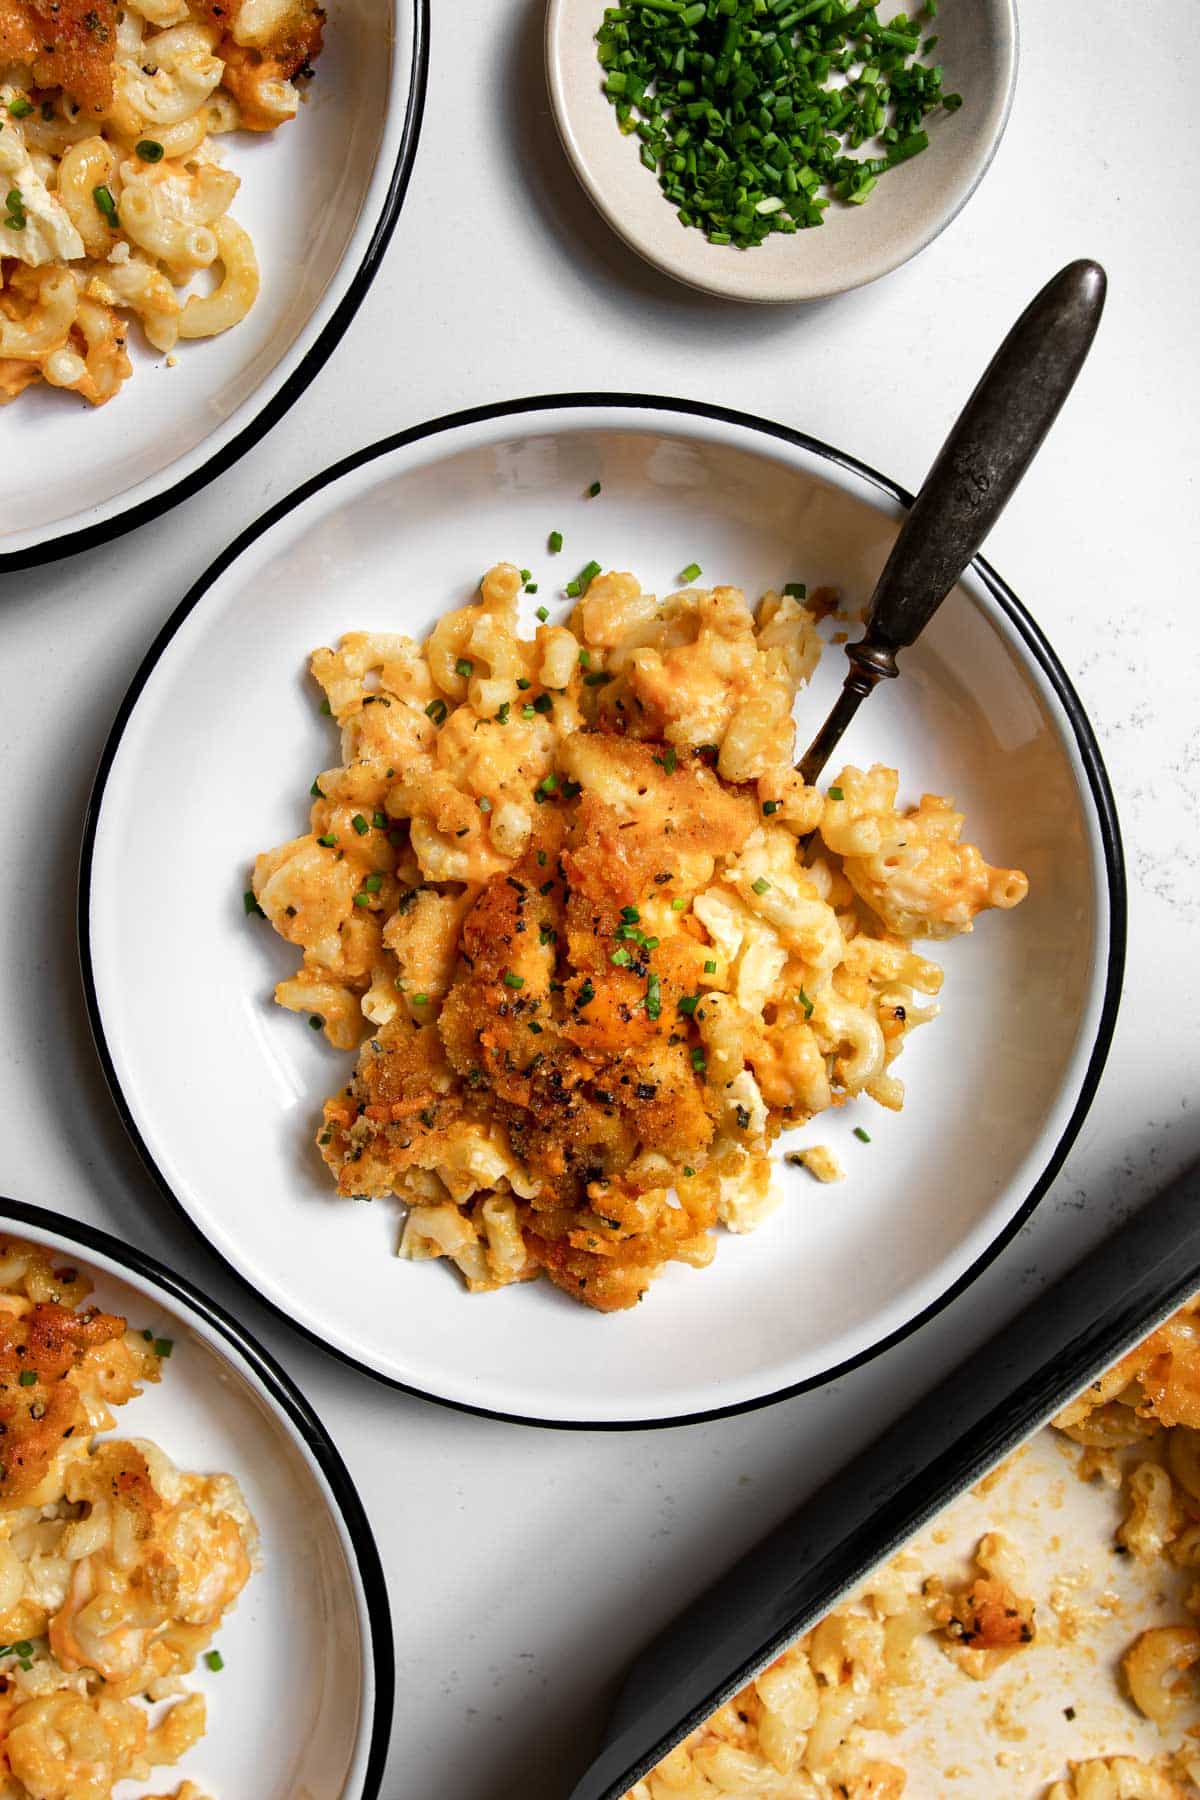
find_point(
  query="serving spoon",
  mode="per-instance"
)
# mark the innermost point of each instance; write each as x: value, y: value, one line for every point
x: 993, y: 441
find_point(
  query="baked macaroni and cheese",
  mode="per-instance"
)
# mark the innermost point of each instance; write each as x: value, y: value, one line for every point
x: 815, y: 1725
x: 116, y: 1568
x: 565, y: 886
x: 113, y: 193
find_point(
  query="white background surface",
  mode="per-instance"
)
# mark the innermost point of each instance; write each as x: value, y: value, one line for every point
x: 527, y: 1566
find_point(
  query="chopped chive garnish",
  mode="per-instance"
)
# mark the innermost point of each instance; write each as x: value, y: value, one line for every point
x: 420, y: 999
x: 215, y: 1661
x: 464, y: 668
x: 163, y: 1347
x: 835, y: 793
x: 752, y: 113
x: 770, y: 806
x: 653, y: 996
x: 698, y: 1062
x: 437, y: 710
x: 485, y: 805
x: 587, y: 994
x: 678, y: 904
x: 250, y: 905
x: 864, y: 1137
x: 688, y: 1171
x: 593, y: 490
x: 360, y: 825
x: 315, y: 791
x: 555, y: 542
x: 15, y: 207
x: 688, y: 1004
x: 20, y: 108
x: 806, y: 1003
x: 523, y: 682
x: 316, y: 1022
x: 105, y: 203
x: 363, y: 900
x: 543, y: 704
x: 502, y: 715
x: 513, y: 981
x: 525, y: 574
x: 548, y: 785
x: 527, y: 712
x: 27, y: 1377
x: 380, y: 821
x: 329, y: 841
x: 583, y: 580
x: 149, y: 150
x: 372, y: 884
x: 796, y: 589
x: 531, y: 587
x: 710, y: 968
x: 631, y: 915
x: 761, y: 885
x: 597, y: 678
x: 621, y: 958
x: 326, y: 708
x: 691, y: 573
x: 543, y: 613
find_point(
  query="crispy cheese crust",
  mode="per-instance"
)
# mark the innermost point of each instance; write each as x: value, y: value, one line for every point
x: 292, y: 51
x: 115, y: 1567
x: 606, y: 941
x: 65, y: 43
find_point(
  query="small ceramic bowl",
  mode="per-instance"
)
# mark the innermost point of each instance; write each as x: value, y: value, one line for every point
x: 977, y: 46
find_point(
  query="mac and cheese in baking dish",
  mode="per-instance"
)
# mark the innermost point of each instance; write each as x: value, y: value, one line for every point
x: 808, y: 1727
x: 113, y: 193
x: 603, y: 941
x: 116, y: 1568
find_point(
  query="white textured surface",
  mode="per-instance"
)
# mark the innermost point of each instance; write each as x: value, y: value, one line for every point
x: 527, y: 1566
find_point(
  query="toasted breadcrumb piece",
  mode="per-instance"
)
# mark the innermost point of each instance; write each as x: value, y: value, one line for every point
x: 820, y: 1162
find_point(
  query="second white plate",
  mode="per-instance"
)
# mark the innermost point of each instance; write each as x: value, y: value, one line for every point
x: 320, y: 198
x: 210, y: 762
x: 303, y: 1703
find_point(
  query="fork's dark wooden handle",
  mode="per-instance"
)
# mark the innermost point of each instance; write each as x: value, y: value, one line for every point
x: 994, y: 440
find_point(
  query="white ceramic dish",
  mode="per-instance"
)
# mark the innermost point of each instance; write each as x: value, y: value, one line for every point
x: 320, y: 198
x: 977, y: 45
x: 309, y: 1642
x: 210, y: 761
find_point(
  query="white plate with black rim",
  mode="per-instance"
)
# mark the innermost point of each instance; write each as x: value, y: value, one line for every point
x: 320, y: 197
x: 304, y: 1697
x: 216, y: 744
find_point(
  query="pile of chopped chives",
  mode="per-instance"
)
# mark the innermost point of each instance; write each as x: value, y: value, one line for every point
x: 742, y: 117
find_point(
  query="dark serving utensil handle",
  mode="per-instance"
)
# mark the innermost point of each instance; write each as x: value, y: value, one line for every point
x: 866, y: 1511
x: 994, y: 440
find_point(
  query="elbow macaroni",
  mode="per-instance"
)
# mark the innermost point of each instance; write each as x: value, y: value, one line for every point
x: 115, y: 207
x: 799, y: 1731
x: 116, y: 1568
x: 561, y: 882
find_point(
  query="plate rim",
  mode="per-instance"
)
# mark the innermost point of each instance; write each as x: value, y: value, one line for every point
x: 53, y: 548
x: 799, y: 293
x: 1017, y: 615
x: 287, y: 1396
